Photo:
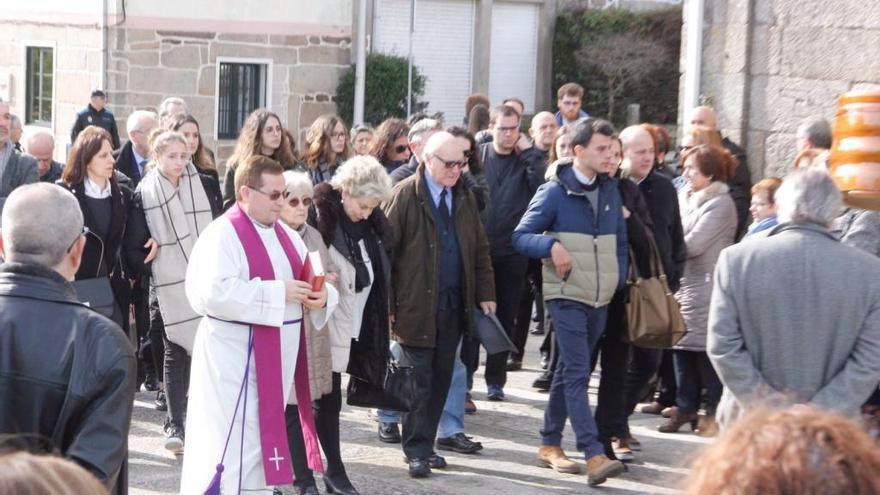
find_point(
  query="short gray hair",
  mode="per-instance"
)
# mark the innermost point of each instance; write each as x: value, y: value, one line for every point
x: 363, y: 177
x: 40, y: 223
x: 422, y: 127
x: 14, y: 121
x: 817, y: 130
x: 298, y: 181
x: 134, y: 119
x: 808, y: 195
x: 164, y: 107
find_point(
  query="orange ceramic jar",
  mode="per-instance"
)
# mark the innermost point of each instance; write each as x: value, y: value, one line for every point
x: 854, y: 162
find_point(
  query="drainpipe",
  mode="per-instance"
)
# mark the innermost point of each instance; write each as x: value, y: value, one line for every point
x: 105, y: 42
x: 694, y: 56
x: 360, y: 71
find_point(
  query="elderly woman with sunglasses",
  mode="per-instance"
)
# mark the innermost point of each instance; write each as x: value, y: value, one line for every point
x: 322, y: 380
x: 353, y: 229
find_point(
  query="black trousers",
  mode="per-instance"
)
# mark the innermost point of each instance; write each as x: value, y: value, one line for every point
x: 532, y: 293
x: 156, y: 334
x: 611, y: 411
x: 693, y: 372
x: 175, y: 366
x: 510, y: 274
x: 667, y: 388
x: 432, y: 368
x: 326, y: 410
x: 140, y: 301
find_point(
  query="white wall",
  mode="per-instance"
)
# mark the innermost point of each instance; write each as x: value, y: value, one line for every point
x: 336, y: 12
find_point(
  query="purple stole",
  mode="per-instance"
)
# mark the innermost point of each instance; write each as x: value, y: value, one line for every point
x: 267, y: 359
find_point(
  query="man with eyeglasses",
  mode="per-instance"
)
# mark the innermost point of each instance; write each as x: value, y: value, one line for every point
x: 67, y: 373
x: 514, y: 170
x: 441, y: 272
x: 242, y: 279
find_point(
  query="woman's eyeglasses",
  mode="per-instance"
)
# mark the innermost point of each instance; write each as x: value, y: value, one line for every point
x: 294, y: 202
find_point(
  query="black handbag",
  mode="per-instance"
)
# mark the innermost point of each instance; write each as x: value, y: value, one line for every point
x: 397, y: 394
x: 97, y: 293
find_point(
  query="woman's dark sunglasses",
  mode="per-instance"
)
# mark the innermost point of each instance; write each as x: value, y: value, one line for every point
x: 400, y: 149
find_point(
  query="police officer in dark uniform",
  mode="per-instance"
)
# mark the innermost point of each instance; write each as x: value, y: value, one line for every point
x: 95, y: 113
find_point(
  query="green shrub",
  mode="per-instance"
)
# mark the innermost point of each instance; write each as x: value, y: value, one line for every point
x: 385, y: 91
x: 656, y: 92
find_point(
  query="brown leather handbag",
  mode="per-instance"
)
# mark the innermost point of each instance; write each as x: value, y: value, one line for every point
x: 652, y: 313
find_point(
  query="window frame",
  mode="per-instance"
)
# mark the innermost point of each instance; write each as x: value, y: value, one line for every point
x: 24, y: 106
x: 267, y: 63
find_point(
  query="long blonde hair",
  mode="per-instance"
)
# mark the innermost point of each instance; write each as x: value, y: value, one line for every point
x: 159, y: 141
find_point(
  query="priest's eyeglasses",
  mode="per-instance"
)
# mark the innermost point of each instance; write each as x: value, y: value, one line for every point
x: 274, y: 195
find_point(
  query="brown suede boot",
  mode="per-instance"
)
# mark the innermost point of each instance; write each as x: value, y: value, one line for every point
x: 707, y: 426
x: 600, y: 468
x: 552, y: 456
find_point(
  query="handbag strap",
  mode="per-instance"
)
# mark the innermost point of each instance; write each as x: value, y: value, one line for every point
x: 655, y: 263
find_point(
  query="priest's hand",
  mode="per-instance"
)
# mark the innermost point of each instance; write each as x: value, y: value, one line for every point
x: 316, y: 300
x: 297, y: 291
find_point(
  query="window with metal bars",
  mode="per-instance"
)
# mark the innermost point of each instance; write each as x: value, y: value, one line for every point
x: 242, y: 90
x: 38, y: 78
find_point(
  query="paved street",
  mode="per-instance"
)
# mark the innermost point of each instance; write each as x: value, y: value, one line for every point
x: 508, y: 431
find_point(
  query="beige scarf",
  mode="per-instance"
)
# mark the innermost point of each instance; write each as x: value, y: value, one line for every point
x: 175, y: 217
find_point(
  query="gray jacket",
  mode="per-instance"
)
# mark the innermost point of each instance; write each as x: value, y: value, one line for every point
x: 795, y: 319
x: 708, y: 219
x: 20, y: 170
x: 859, y: 228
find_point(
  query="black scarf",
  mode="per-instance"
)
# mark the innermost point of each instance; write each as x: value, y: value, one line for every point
x: 354, y: 232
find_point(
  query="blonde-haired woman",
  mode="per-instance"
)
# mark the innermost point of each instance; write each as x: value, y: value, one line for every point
x: 354, y: 230
x: 261, y: 134
x: 173, y: 202
x: 326, y: 148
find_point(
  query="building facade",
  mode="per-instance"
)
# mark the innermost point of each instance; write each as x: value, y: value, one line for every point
x: 224, y: 58
x: 766, y: 65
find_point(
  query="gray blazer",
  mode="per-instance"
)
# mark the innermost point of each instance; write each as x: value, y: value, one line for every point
x: 21, y: 169
x: 795, y: 318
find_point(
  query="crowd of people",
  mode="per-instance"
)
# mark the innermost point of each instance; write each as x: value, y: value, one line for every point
x: 194, y: 291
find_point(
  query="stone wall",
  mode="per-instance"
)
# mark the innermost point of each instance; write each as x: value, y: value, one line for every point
x: 147, y: 66
x: 77, y: 60
x: 769, y: 64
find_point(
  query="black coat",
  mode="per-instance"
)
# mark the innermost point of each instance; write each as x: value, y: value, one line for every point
x: 126, y: 164
x: 369, y: 353
x: 510, y: 191
x: 637, y: 224
x: 67, y: 373
x: 662, y: 200
x: 740, y: 187
x: 122, y: 243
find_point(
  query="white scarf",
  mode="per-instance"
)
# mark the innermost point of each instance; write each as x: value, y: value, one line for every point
x: 175, y: 218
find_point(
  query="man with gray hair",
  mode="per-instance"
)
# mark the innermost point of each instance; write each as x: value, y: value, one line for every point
x: 133, y: 156
x: 41, y: 145
x: 16, y: 169
x: 814, y: 132
x: 170, y: 107
x: 795, y: 316
x: 15, y: 131
x: 82, y: 403
x: 418, y: 136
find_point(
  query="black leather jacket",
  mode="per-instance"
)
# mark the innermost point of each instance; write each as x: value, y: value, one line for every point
x: 67, y: 373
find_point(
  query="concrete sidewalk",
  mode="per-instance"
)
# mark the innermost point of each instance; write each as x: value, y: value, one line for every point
x: 506, y: 465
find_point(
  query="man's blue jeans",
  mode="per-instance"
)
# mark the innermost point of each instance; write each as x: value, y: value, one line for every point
x: 452, y: 420
x: 578, y: 329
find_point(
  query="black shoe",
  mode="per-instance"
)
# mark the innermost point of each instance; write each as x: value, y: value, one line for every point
x: 544, y: 381
x: 459, y: 443
x: 342, y: 488
x: 419, y: 468
x: 151, y: 384
x: 174, y: 439
x: 514, y: 364
x: 389, y: 432
x: 538, y: 330
x: 545, y: 360
x: 310, y: 489
x: 160, y: 404
x: 437, y: 461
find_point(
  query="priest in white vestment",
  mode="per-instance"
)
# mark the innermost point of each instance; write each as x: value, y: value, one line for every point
x: 220, y: 287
